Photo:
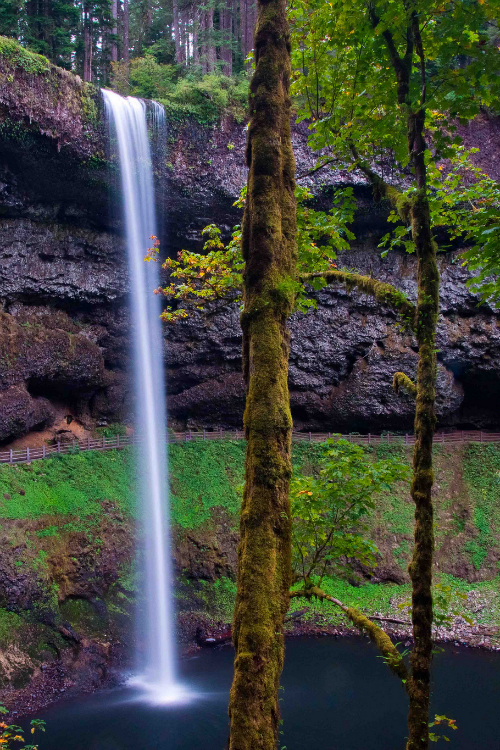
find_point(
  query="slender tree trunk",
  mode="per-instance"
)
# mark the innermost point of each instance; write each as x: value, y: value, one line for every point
x: 417, y: 210
x: 211, y: 52
x: 48, y: 30
x: 184, y: 37
x: 226, y: 23
x: 126, y: 53
x: 196, y: 49
x: 243, y: 28
x: 114, y: 46
x: 177, y: 32
x: 420, y: 568
x: 251, y: 21
x: 270, y: 253
x: 87, y: 46
x: 203, y: 30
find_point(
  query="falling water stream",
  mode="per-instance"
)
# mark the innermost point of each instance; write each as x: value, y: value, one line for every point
x: 128, y: 129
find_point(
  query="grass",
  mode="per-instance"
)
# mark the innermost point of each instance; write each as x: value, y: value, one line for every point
x: 67, y: 485
x: 206, y: 478
x: 481, y: 468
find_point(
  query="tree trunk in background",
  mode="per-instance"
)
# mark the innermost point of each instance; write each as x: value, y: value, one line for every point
x: 177, y: 32
x: 87, y: 46
x: 196, y: 23
x: 114, y: 46
x: 226, y: 26
x: 203, y: 33
x: 243, y: 27
x: 251, y: 22
x: 126, y: 54
x: 270, y: 253
x: 183, y: 16
x: 248, y: 18
x: 211, y: 51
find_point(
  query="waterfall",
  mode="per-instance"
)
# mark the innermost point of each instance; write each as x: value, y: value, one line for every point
x: 128, y: 128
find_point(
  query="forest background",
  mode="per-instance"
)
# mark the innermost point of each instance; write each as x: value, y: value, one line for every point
x: 97, y: 39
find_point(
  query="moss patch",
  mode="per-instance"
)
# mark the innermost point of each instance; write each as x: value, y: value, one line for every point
x: 20, y: 57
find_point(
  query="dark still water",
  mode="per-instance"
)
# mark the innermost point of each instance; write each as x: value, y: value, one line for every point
x: 337, y: 696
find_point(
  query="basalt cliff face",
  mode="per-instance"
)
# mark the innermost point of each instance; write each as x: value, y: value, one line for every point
x: 64, y: 284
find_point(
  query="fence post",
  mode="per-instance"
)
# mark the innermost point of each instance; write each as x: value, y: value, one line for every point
x: 369, y: 438
x: 204, y: 438
x: 43, y: 450
x: 118, y: 440
x: 310, y: 437
x: 190, y: 435
x: 88, y: 443
x: 10, y: 459
x: 73, y: 445
x: 103, y: 442
x: 481, y: 436
x: 27, y: 454
x: 406, y: 438
x: 58, y: 446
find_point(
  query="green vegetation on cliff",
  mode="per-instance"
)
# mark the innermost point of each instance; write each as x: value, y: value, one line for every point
x: 20, y: 57
x: 67, y: 539
x: 205, y: 478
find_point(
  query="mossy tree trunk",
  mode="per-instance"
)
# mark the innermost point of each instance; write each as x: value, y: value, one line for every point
x: 420, y: 568
x: 417, y: 211
x: 269, y: 250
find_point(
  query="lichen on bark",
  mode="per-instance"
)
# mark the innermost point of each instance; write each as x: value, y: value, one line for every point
x: 270, y: 253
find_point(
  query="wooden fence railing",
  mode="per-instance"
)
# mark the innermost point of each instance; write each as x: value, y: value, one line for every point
x: 24, y: 455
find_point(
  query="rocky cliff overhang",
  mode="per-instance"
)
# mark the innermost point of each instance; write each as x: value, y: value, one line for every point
x: 63, y: 269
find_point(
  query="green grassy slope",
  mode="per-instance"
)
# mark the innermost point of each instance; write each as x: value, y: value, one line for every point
x: 206, y: 476
x: 66, y: 493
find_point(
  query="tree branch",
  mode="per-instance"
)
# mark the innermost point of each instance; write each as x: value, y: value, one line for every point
x: 382, y: 189
x: 378, y: 636
x: 401, y: 65
x: 315, y: 169
x: 384, y: 293
x: 402, y: 382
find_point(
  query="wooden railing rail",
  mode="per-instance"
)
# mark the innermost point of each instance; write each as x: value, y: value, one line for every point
x: 25, y: 455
